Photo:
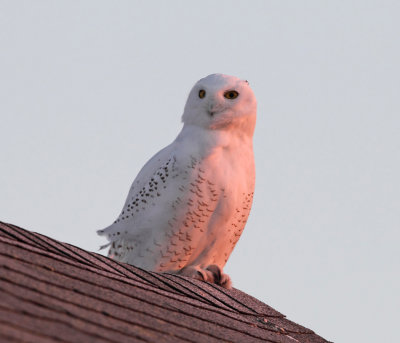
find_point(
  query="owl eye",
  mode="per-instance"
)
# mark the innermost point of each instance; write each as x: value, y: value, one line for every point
x: 202, y: 93
x: 231, y: 94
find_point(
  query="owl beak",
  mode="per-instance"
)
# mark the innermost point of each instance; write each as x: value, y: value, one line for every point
x: 211, y: 109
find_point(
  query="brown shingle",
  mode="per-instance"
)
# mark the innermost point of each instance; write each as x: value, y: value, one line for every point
x: 55, y: 292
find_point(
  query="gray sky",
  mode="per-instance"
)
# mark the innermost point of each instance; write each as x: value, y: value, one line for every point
x: 90, y: 90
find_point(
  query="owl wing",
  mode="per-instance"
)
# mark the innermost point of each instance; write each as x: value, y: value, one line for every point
x: 166, y: 214
x: 147, y: 185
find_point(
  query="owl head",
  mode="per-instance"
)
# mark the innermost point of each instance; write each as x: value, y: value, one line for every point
x: 221, y: 102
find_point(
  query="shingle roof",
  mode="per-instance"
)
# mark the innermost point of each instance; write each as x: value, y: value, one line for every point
x: 55, y: 292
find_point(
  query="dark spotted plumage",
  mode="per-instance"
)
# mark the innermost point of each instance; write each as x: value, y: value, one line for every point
x: 188, y: 205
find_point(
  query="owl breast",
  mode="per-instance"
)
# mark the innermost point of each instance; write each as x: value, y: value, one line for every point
x: 209, y: 211
x: 229, y: 184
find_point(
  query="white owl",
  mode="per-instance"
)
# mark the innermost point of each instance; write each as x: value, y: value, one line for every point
x: 188, y: 205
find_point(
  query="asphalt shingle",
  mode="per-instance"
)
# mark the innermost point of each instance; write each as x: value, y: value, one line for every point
x: 55, y: 292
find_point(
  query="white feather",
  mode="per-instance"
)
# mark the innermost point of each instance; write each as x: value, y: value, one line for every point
x: 190, y: 202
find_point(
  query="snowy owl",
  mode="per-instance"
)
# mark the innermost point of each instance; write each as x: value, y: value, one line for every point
x: 187, y: 207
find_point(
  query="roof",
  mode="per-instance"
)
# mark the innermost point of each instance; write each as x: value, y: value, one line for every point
x: 55, y: 292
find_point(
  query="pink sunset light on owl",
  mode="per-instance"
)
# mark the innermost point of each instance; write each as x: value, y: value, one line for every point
x: 189, y: 204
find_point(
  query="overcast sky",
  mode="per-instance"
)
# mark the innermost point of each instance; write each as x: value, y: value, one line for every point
x: 90, y: 90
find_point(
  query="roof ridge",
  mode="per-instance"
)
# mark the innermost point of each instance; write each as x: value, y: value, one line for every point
x: 114, y: 301
x: 171, y: 286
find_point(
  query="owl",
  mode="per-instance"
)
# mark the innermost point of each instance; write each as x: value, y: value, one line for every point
x: 187, y: 207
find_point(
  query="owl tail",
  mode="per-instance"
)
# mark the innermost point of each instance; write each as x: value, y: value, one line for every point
x: 104, y: 246
x: 102, y: 233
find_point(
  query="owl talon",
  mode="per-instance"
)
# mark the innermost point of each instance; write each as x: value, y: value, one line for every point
x: 193, y: 272
x: 216, y: 273
x: 212, y: 274
x: 200, y: 276
x: 219, y: 277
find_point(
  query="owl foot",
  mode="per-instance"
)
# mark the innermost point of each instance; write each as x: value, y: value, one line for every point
x: 212, y: 274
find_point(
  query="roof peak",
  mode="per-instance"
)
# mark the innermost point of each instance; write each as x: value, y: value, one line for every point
x: 52, y: 290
